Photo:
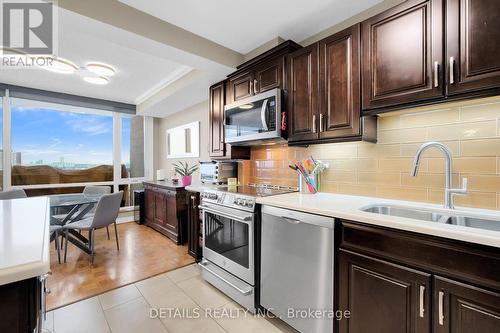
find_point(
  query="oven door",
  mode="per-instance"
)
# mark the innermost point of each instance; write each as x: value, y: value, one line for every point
x: 253, y: 119
x: 228, y: 240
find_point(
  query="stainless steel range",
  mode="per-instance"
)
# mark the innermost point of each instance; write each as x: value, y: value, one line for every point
x: 231, y: 232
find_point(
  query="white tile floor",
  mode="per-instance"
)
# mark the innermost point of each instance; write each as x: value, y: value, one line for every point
x: 127, y: 309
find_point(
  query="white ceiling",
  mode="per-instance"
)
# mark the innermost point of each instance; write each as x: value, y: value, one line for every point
x: 148, y: 68
x: 83, y: 40
x: 245, y: 25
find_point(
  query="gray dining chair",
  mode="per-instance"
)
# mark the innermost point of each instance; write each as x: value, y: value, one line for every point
x: 106, y: 212
x: 13, y: 194
x: 96, y: 190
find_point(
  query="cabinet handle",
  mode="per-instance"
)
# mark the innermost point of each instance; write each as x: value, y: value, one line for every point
x: 252, y: 92
x: 314, y: 123
x: 422, y: 306
x: 436, y: 74
x: 440, y: 308
x: 320, y: 122
x: 452, y: 70
x: 255, y: 82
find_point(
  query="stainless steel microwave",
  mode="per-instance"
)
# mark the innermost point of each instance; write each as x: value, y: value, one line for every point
x: 254, y: 120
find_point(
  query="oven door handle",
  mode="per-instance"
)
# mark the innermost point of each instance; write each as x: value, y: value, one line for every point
x: 244, y: 219
x: 263, y: 115
x: 245, y: 292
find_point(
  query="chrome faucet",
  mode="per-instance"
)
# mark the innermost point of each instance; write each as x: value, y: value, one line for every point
x: 448, y: 191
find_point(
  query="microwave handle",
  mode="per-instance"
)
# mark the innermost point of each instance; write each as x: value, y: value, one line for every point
x: 263, y: 115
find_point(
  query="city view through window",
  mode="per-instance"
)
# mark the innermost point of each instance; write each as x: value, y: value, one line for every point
x: 60, y: 144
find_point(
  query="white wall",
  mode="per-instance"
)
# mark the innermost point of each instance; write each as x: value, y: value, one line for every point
x: 198, y: 112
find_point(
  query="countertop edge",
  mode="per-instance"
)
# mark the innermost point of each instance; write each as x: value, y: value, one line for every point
x: 35, y: 268
x: 459, y: 233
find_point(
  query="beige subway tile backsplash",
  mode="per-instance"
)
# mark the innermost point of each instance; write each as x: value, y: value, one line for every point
x: 430, y: 118
x: 486, y: 147
x: 470, y: 129
x: 464, y: 131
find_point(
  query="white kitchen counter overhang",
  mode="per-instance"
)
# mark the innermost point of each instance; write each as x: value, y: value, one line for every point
x: 24, y: 239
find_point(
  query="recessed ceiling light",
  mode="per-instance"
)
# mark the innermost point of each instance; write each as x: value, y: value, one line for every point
x: 100, y: 69
x: 96, y: 79
x: 61, y: 66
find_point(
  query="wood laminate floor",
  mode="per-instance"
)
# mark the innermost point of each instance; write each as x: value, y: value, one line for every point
x: 143, y: 253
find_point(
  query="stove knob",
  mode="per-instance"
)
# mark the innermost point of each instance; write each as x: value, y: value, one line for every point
x: 249, y: 203
x: 238, y: 201
x: 244, y: 202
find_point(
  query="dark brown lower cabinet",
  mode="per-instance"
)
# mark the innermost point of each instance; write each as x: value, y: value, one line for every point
x: 166, y: 209
x: 464, y: 308
x: 382, y: 297
x: 194, y: 226
x: 395, y: 281
x: 19, y: 306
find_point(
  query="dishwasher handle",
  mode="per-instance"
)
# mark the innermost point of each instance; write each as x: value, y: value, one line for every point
x: 295, y: 217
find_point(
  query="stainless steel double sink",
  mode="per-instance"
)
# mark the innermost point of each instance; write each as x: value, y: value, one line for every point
x: 454, y: 218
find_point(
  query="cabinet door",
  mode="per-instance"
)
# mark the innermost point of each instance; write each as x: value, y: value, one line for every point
x: 159, y: 206
x: 149, y: 200
x: 303, y: 93
x: 473, y: 47
x: 171, y: 222
x: 463, y: 308
x: 241, y: 87
x: 217, y: 148
x: 382, y: 297
x: 340, y: 84
x: 269, y: 75
x: 194, y: 248
x: 402, y: 52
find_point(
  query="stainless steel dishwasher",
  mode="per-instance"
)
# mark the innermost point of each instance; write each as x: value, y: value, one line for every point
x: 297, y: 268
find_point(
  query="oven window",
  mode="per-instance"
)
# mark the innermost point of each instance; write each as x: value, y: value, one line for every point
x: 228, y: 238
x: 251, y: 118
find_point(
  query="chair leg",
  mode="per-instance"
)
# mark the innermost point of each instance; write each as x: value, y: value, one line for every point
x: 107, y: 230
x: 92, y: 241
x: 58, y: 248
x: 65, y: 245
x: 116, y: 236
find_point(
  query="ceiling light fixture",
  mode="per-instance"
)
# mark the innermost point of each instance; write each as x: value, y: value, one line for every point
x: 61, y: 66
x: 96, y: 79
x: 100, y: 69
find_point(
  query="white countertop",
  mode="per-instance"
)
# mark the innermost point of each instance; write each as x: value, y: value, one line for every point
x: 348, y: 207
x: 199, y: 187
x: 24, y: 239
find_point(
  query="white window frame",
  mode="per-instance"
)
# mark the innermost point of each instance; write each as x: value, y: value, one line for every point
x: 117, y: 153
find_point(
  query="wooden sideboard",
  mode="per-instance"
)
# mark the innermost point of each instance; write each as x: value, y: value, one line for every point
x: 166, y: 209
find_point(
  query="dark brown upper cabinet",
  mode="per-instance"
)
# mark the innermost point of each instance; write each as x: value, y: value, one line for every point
x: 340, y: 85
x: 324, y: 92
x: 240, y: 87
x: 269, y: 75
x: 217, y: 148
x: 473, y: 45
x: 303, y: 99
x: 402, y: 52
x: 460, y: 307
x: 262, y: 73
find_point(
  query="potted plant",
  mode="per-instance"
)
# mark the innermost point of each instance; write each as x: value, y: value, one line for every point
x: 185, y: 171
